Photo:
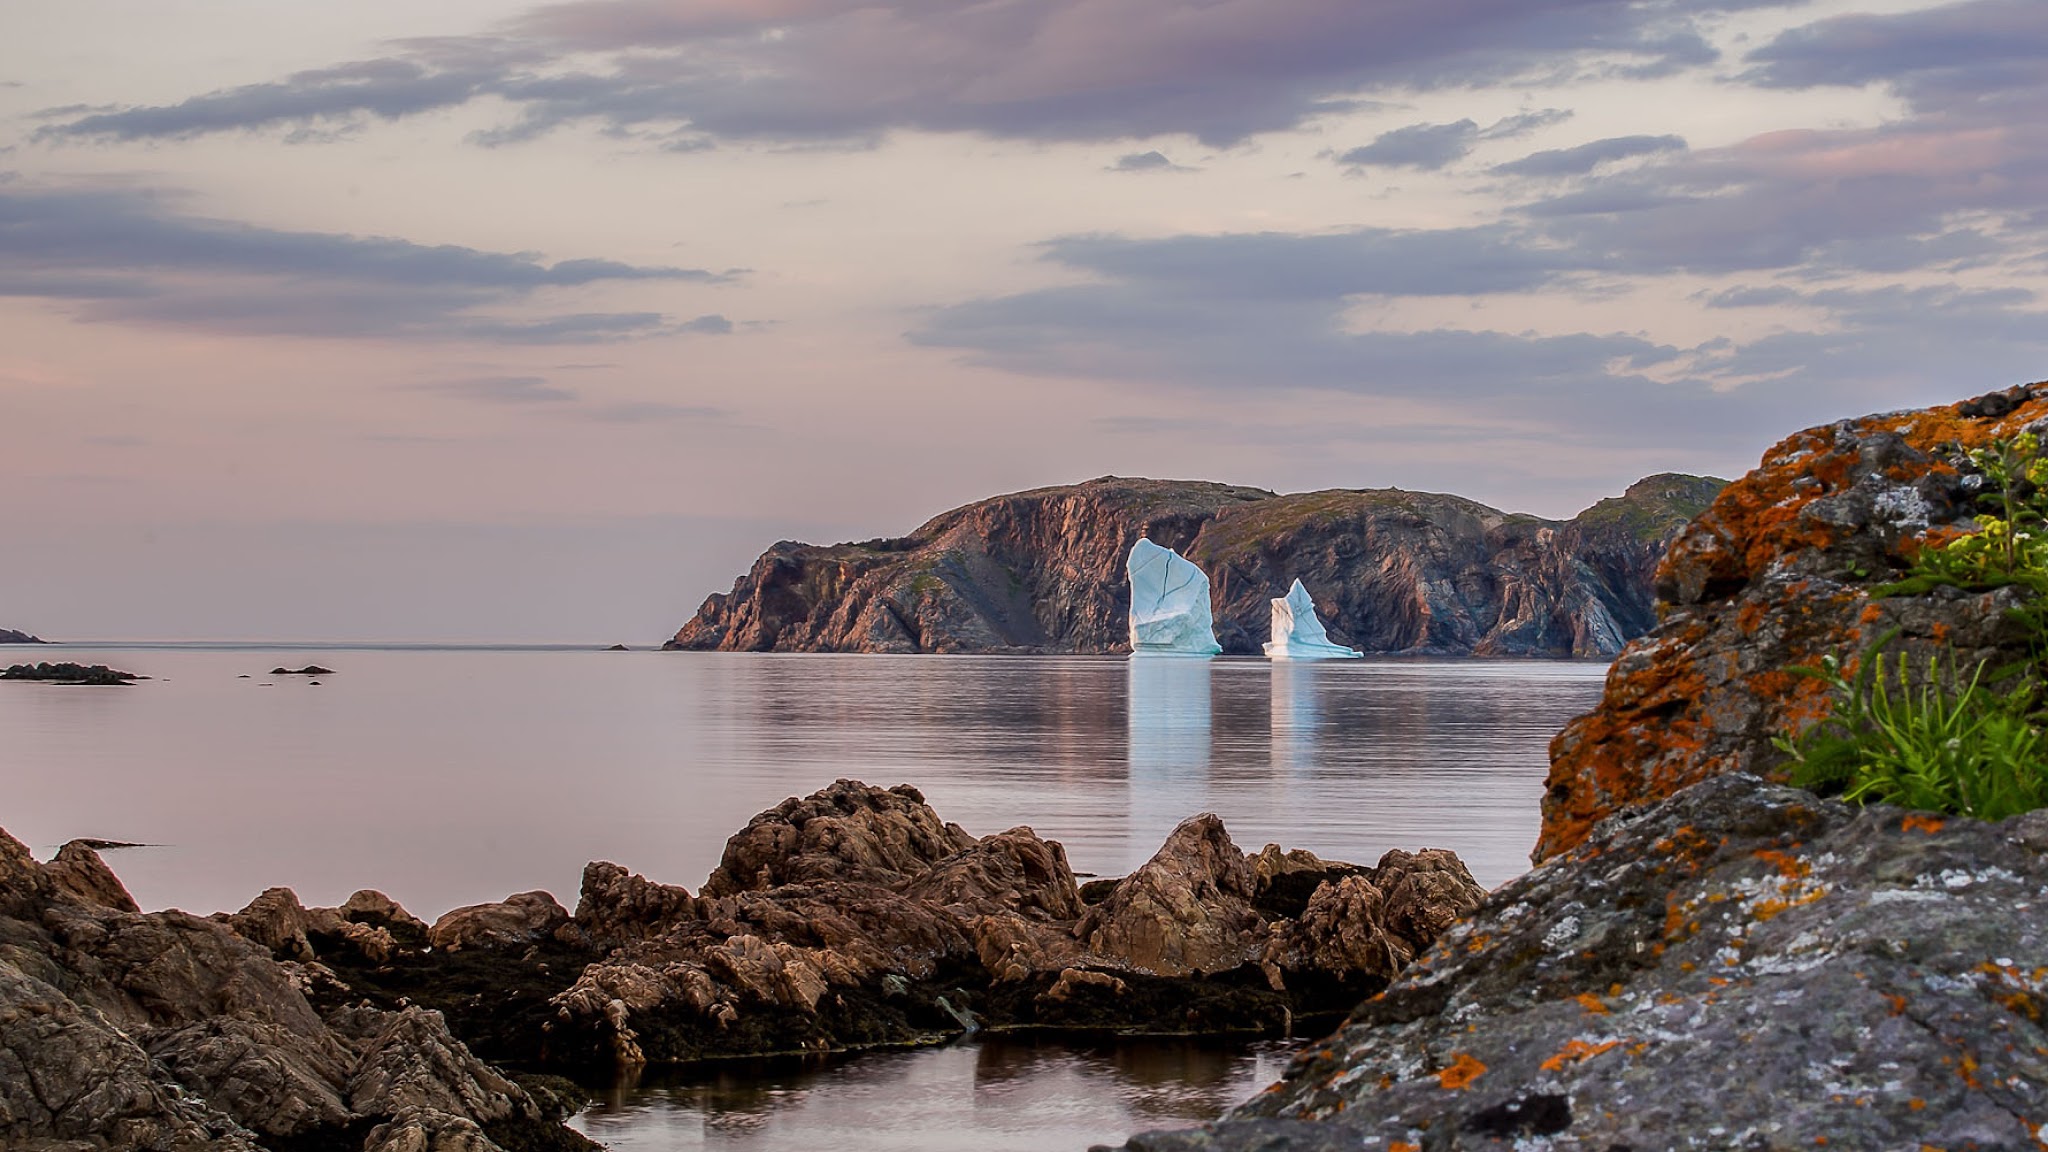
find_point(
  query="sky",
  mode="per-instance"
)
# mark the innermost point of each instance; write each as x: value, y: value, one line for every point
x: 479, y: 321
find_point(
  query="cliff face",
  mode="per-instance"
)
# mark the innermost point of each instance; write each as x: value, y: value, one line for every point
x: 1391, y: 571
x: 1776, y: 574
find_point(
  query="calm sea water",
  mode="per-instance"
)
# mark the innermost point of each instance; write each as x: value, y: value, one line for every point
x: 450, y: 776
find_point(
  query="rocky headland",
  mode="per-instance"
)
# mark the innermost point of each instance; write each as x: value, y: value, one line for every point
x: 10, y: 636
x: 1705, y: 957
x: 852, y: 918
x: 1391, y: 572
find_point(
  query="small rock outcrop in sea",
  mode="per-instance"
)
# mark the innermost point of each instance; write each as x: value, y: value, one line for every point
x: 69, y: 673
x: 1297, y: 632
x: 308, y: 670
x: 1705, y: 957
x: 166, y: 1032
x: 1169, y: 604
x: 857, y: 917
x: 10, y: 636
x: 1043, y: 571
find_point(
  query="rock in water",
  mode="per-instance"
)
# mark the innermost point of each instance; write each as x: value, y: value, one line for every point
x: 1169, y: 604
x: 1298, y: 634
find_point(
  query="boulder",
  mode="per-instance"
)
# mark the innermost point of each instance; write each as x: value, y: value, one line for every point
x: 1188, y: 910
x: 374, y: 908
x: 849, y: 831
x: 518, y: 921
x: 277, y: 921
x: 78, y: 872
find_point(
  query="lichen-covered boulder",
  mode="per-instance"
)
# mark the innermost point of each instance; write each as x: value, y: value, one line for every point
x: 1741, y: 966
x: 1777, y: 573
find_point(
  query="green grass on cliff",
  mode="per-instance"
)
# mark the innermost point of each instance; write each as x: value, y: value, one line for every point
x: 1969, y: 742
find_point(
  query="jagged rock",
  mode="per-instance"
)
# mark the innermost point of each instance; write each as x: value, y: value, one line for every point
x: 10, y: 636
x: 1073, y: 980
x: 1187, y: 910
x: 1808, y: 972
x: 1041, y: 571
x: 849, y: 831
x: 419, y: 1130
x: 522, y: 919
x: 1013, y: 871
x: 617, y: 906
x: 167, y: 1032
x: 1775, y: 574
x: 78, y: 872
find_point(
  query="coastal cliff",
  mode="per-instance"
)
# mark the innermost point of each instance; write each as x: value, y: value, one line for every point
x: 10, y: 636
x: 1391, y: 571
x: 1876, y: 974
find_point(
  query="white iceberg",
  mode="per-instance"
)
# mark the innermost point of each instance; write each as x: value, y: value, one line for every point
x: 1169, y: 604
x: 1298, y: 635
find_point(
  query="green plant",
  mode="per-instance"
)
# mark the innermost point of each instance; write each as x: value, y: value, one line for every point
x: 1944, y: 743
x: 2010, y: 545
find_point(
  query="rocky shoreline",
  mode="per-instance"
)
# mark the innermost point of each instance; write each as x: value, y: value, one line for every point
x: 849, y: 919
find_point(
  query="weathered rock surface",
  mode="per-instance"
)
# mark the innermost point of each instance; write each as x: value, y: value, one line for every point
x: 1741, y: 966
x: 857, y: 917
x: 1394, y: 571
x: 1775, y: 574
x: 165, y: 1031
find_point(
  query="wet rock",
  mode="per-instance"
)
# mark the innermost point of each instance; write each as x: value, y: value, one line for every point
x: 1777, y: 573
x: 1187, y: 910
x: 520, y: 920
x: 849, y: 831
x: 78, y: 872
x: 1808, y: 972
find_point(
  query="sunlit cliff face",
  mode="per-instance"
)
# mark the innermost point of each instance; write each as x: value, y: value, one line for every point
x: 649, y: 285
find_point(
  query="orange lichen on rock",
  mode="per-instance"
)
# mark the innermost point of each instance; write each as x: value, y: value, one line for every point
x: 1576, y: 1051
x: 1916, y: 822
x: 1776, y: 574
x: 1593, y: 1005
x: 1461, y: 1072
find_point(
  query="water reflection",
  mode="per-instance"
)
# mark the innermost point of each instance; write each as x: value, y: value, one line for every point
x: 1167, y: 744
x: 1296, y: 717
x: 994, y: 1096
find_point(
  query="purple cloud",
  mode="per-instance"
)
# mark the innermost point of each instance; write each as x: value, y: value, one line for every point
x: 1221, y: 70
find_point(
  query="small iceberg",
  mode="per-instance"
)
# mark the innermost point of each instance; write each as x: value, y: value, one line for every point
x: 1298, y: 635
x: 1169, y: 604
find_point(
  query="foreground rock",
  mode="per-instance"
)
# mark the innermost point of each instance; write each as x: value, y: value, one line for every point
x: 1394, y: 571
x: 1704, y: 958
x: 167, y: 1032
x: 856, y: 917
x: 1742, y: 966
x: 69, y: 673
x: 1777, y: 573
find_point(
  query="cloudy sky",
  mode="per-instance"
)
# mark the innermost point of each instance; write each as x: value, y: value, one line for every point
x: 468, y: 320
